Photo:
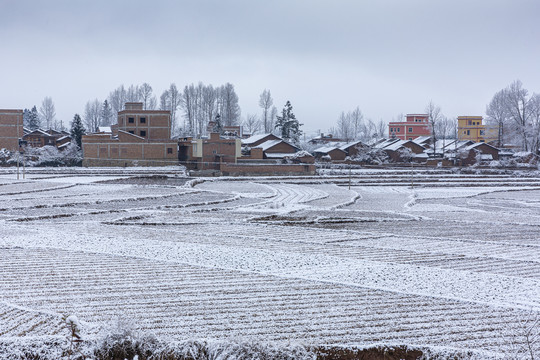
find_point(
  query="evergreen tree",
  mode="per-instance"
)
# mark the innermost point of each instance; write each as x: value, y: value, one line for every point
x: 218, y: 126
x: 77, y: 129
x: 106, y: 114
x: 288, y: 125
x: 33, y: 119
x: 26, y: 118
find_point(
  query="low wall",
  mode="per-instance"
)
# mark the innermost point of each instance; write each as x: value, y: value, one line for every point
x: 90, y: 162
x: 267, y: 170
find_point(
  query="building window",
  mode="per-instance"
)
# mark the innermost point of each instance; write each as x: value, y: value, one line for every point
x: 131, y: 132
x: 143, y: 120
x: 482, y: 132
x: 169, y: 150
x: 131, y: 120
x: 143, y: 132
x: 410, y: 129
x: 398, y: 129
x: 468, y: 132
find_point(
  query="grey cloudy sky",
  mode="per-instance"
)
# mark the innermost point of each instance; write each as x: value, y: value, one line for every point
x: 385, y: 56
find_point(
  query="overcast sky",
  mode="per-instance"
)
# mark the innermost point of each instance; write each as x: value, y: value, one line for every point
x: 385, y: 56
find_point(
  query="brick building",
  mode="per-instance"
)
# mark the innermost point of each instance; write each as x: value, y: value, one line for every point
x: 143, y: 137
x: 205, y: 154
x: 11, y: 128
x: 415, y: 125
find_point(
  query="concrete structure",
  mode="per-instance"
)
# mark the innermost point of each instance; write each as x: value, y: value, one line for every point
x: 142, y: 137
x: 471, y: 128
x: 415, y: 125
x: 11, y: 129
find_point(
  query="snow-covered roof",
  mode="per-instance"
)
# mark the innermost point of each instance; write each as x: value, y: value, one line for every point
x: 104, y: 129
x: 64, y: 145
x: 385, y: 143
x: 475, y: 145
x: 346, y: 145
x: 326, y: 149
x: 422, y: 140
x: 268, y: 144
x: 395, y: 145
x: 278, y: 155
x: 254, y: 139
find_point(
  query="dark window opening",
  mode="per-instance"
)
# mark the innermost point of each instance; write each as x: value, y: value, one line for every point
x: 169, y: 150
x: 143, y: 132
x: 410, y: 129
x: 143, y: 120
x: 131, y: 132
x: 131, y: 120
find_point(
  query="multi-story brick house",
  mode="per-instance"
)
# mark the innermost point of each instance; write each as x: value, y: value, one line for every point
x: 11, y: 128
x: 471, y: 128
x: 415, y: 125
x: 143, y: 138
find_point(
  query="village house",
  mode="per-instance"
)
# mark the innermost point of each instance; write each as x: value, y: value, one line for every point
x: 11, y: 128
x: 415, y: 125
x: 472, y: 128
x: 40, y: 138
x: 143, y: 137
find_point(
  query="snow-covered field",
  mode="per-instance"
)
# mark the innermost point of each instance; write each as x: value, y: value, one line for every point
x: 452, y: 263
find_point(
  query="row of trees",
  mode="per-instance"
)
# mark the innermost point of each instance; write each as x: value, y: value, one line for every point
x: 516, y: 113
x: 197, y: 105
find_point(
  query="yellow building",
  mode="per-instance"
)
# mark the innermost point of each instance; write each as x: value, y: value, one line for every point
x: 471, y: 128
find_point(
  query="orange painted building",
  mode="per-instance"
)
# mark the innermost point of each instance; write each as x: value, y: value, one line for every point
x: 415, y: 125
x: 471, y: 128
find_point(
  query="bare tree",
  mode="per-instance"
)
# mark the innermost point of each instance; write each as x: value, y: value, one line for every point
x: 133, y: 94
x: 382, y: 127
x: 92, y: 115
x: 252, y: 123
x: 230, y: 110
x: 497, y: 112
x: 266, y: 102
x: 345, y: 127
x: 164, y: 102
x: 519, y: 110
x: 434, y: 116
x: 357, y: 121
x: 117, y: 99
x: 174, y: 103
x: 189, y: 103
x: 273, y: 118
x: 47, y: 112
x: 147, y: 97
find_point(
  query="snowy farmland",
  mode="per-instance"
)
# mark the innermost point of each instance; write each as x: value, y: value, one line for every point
x: 450, y: 263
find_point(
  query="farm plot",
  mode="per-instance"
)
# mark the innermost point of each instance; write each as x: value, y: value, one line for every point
x: 265, y: 260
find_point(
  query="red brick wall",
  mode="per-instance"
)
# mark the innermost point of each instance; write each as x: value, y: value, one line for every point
x: 11, y: 129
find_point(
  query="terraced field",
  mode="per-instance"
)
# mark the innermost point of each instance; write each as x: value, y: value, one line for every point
x: 452, y: 263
